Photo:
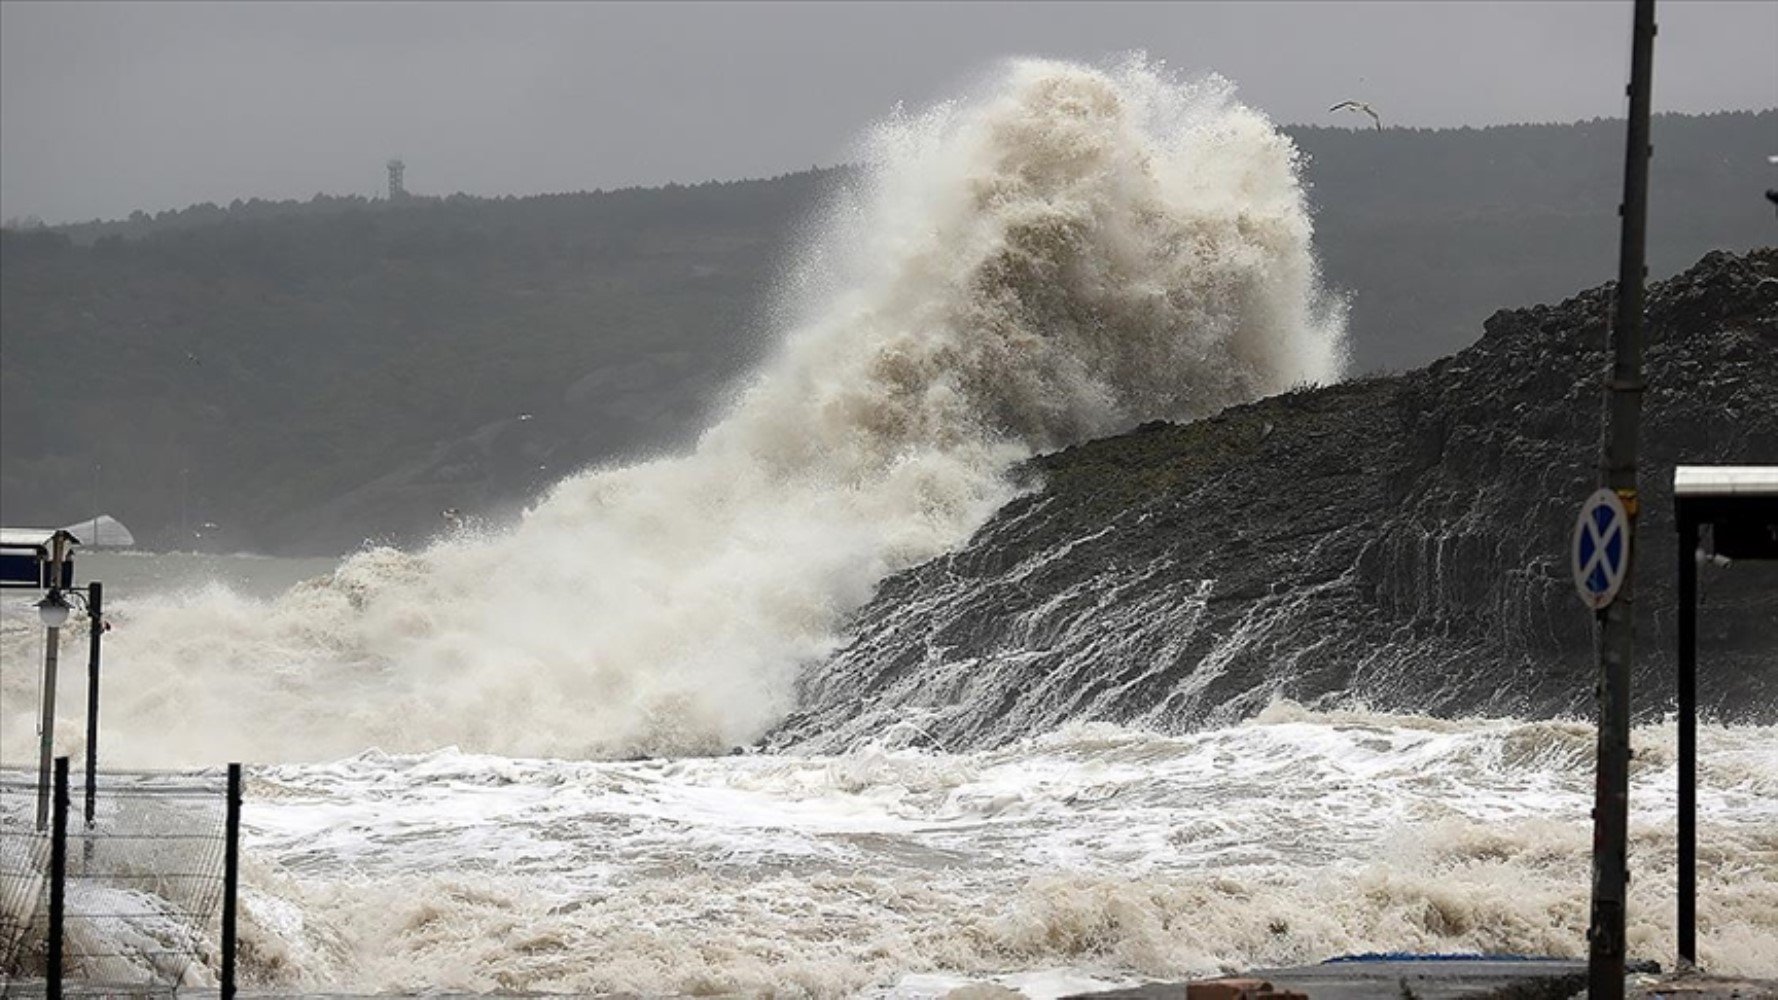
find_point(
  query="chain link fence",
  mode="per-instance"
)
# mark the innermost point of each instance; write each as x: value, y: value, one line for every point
x: 140, y: 904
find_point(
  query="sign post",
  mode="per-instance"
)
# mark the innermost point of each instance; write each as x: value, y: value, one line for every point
x: 1617, y: 468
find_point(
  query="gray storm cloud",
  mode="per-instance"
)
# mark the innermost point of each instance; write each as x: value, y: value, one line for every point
x: 107, y: 108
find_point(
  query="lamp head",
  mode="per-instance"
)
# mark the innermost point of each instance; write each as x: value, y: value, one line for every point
x: 53, y: 609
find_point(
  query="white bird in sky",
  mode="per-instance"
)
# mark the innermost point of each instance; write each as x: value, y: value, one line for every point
x: 1360, y: 106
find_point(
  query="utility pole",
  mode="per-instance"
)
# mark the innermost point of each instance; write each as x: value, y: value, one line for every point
x: 1623, y: 405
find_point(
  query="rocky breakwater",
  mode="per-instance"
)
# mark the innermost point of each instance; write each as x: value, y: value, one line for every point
x: 1399, y: 542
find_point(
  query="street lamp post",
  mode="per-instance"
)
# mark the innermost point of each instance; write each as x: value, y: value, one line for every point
x: 53, y: 611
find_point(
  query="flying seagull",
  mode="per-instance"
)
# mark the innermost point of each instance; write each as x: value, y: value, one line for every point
x: 1360, y: 106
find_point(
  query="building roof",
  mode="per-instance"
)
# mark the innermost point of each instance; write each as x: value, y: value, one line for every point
x: 35, y: 538
x: 1725, y: 481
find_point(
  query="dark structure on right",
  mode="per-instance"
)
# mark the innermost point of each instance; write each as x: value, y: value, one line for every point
x: 1739, y: 506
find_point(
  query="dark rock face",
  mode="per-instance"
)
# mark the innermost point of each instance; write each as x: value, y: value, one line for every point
x: 1399, y: 542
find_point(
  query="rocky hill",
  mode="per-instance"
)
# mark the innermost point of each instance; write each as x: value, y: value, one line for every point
x: 1398, y: 541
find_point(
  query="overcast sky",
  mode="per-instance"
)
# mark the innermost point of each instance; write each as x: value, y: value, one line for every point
x: 109, y: 107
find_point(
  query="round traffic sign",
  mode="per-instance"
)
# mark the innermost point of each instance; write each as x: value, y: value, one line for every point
x: 1600, y: 552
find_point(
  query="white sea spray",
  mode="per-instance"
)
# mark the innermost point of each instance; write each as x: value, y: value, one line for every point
x: 1064, y: 254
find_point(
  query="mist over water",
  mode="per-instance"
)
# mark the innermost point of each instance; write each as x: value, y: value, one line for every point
x: 1066, y: 253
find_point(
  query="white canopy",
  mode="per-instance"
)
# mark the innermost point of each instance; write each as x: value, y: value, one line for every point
x: 104, y: 531
x: 1725, y: 480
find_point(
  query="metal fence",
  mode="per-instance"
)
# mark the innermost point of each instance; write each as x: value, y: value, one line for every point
x: 139, y: 900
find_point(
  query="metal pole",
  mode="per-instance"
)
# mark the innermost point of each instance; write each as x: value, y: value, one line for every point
x: 231, y: 879
x: 1606, y: 946
x: 58, y: 879
x: 95, y: 609
x: 47, y: 727
x: 1688, y: 741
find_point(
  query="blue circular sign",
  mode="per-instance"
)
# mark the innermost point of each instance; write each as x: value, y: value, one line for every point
x: 1600, y: 553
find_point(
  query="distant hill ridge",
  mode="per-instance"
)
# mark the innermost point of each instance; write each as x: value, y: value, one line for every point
x: 304, y: 375
x: 140, y: 224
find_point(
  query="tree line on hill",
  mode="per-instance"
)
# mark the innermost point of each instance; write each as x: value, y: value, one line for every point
x: 300, y: 376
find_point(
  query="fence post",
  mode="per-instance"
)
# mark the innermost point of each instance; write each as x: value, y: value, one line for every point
x: 231, y: 879
x: 58, y: 878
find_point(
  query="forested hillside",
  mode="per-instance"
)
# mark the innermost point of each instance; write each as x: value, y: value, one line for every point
x: 1432, y: 231
x: 305, y: 381
x: 306, y: 375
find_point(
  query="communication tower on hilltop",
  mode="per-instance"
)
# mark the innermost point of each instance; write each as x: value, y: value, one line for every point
x: 396, y: 191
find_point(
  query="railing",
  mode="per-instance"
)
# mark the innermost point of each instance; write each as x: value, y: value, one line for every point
x: 140, y: 901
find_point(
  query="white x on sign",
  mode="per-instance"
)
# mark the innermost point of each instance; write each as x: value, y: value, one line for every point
x: 1600, y: 553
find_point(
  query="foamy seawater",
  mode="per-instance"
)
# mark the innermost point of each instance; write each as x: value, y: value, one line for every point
x: 1091, y: 856
x: 1096, y: 855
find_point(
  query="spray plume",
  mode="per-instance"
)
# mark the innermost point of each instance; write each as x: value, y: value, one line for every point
x: 1066, y: 253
